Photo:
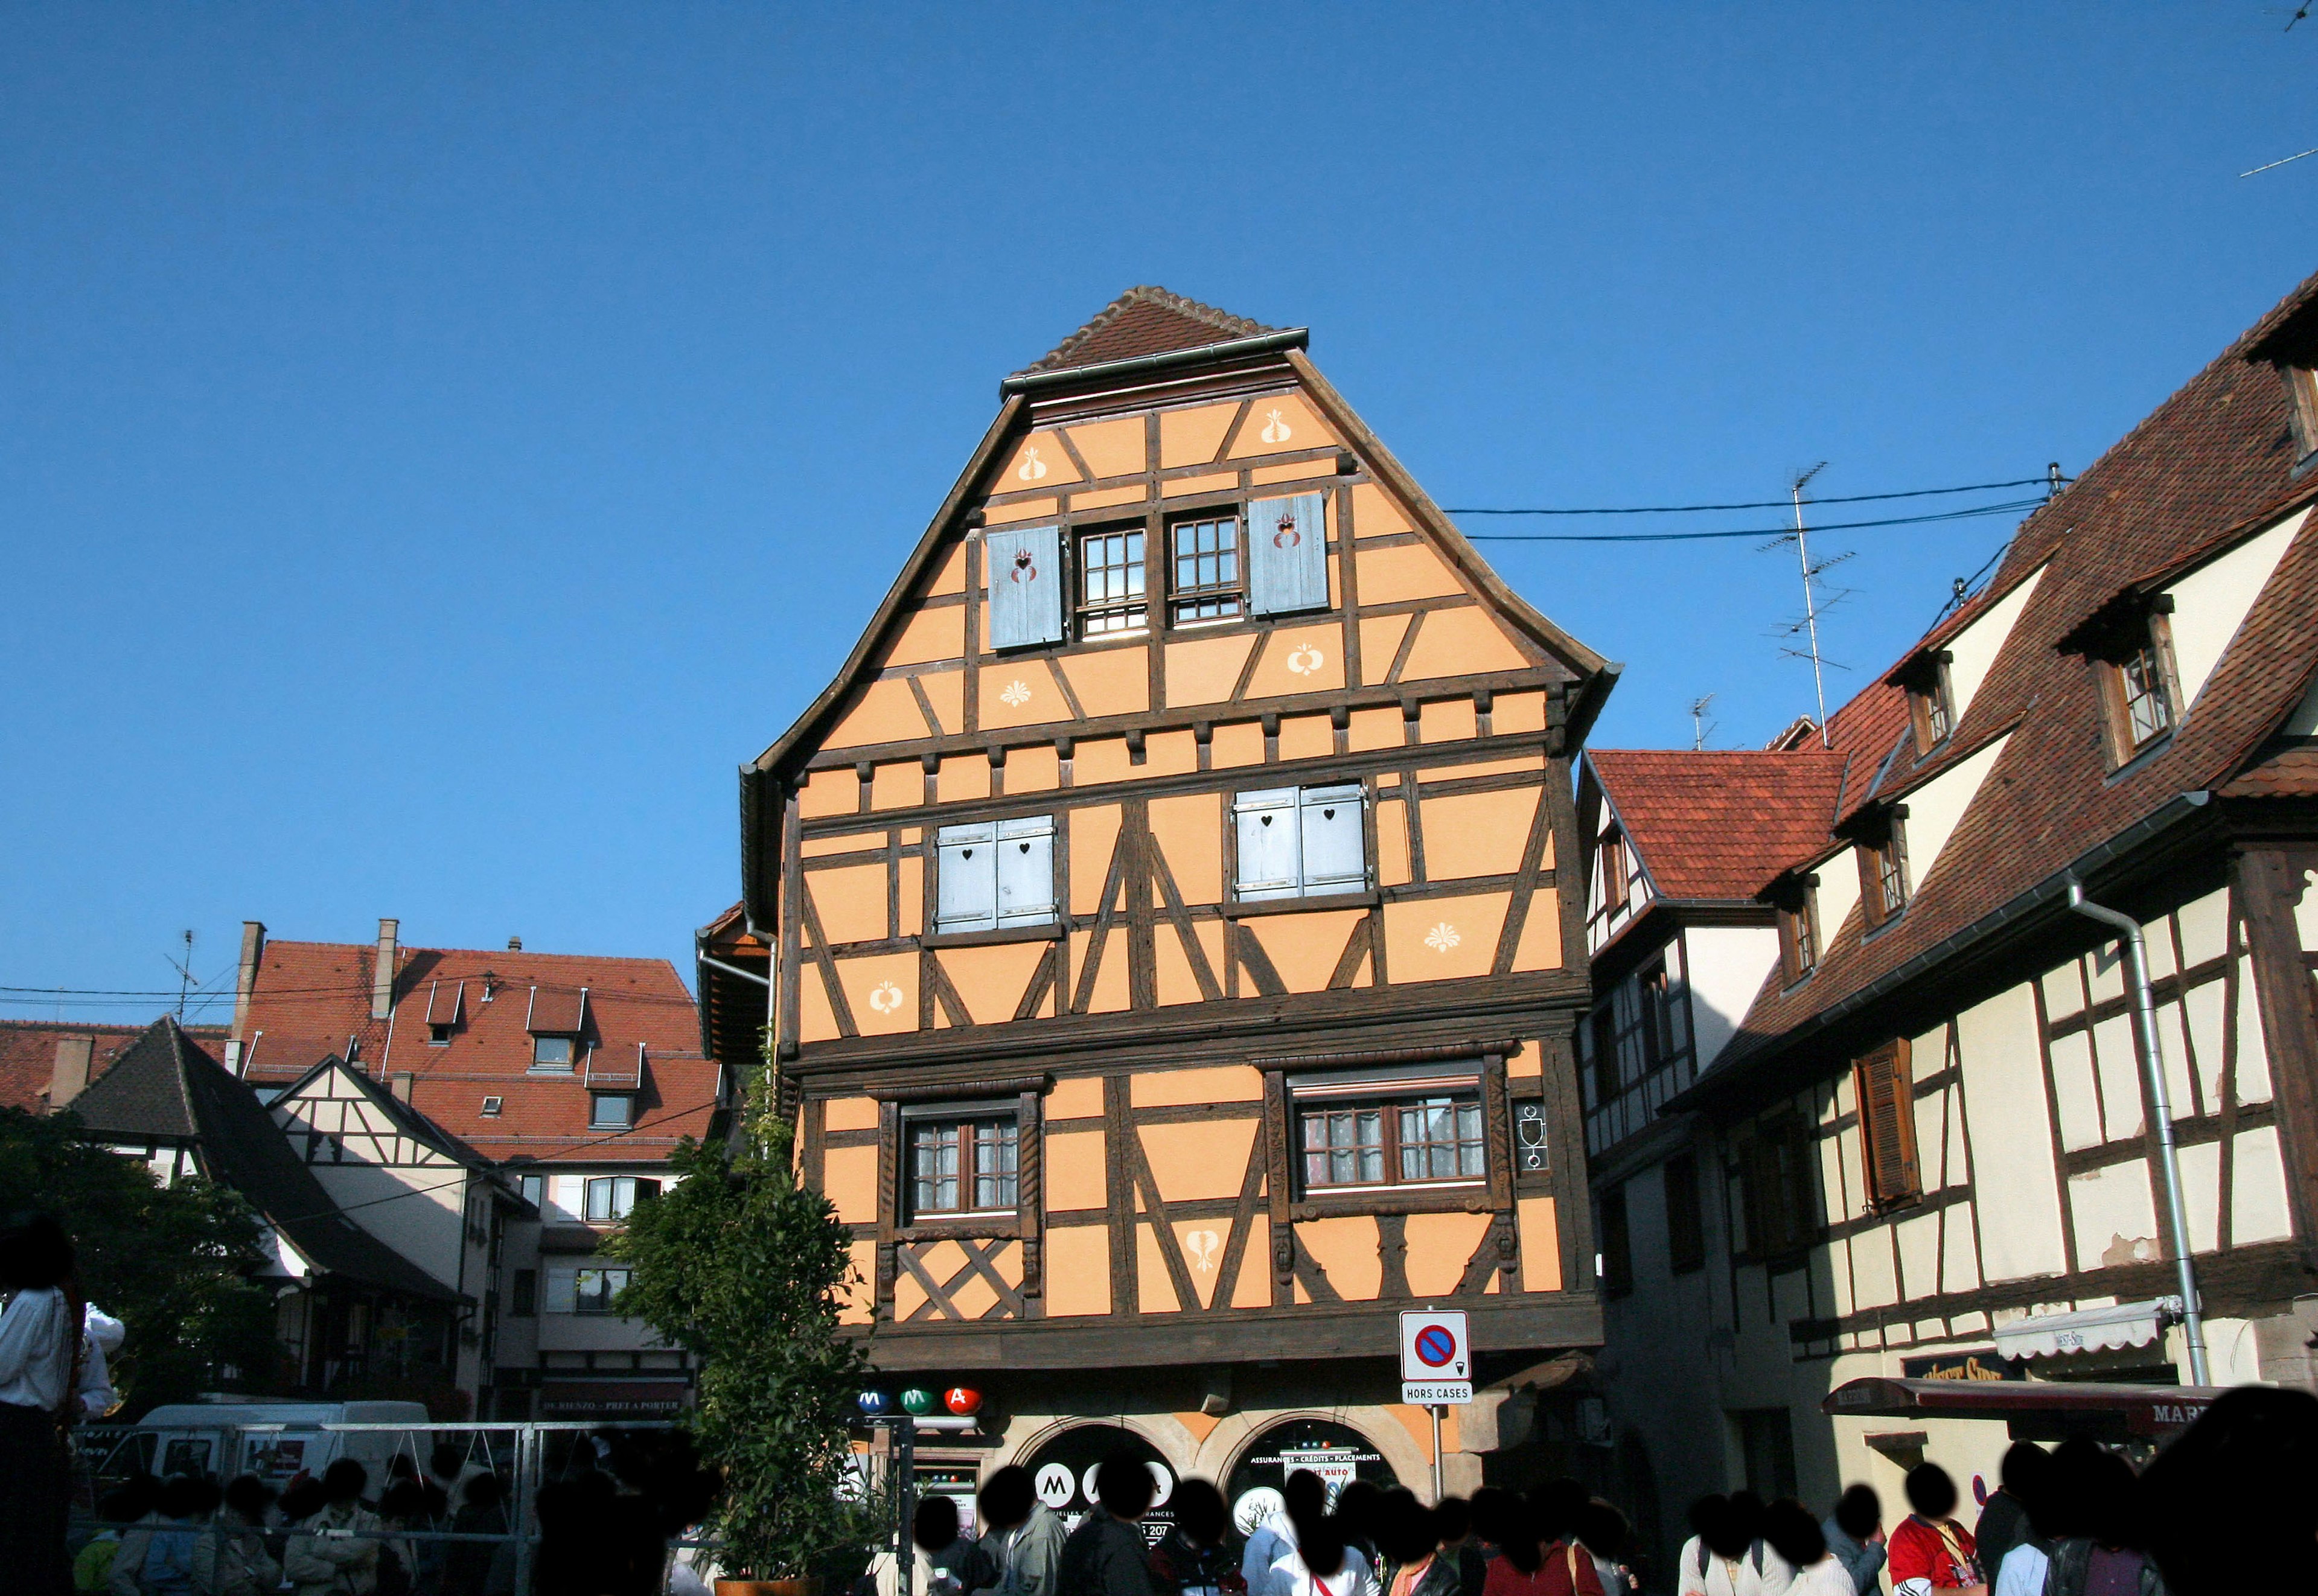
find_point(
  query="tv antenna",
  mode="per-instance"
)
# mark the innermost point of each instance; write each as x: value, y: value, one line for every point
x: 185, y: 982
x: 1815, y: 603
x: 1700, y: 728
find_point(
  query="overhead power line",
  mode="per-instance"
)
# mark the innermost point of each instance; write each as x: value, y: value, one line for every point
x: 1761, y: 504
x: 2013, y: 507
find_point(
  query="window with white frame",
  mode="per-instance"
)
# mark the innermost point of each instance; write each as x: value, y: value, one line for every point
x: 591, y: 1290
x: 613, y: 1197
x: 995, y: 875
x: 1300, y: 842
x: 612, y: 1111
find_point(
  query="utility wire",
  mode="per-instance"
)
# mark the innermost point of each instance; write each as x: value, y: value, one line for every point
x: 2011, y: 508
x: 1765, y: 504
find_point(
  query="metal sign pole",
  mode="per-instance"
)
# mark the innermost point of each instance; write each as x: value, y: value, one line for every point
x: 1436, y: 1455
x: 905, y: 1463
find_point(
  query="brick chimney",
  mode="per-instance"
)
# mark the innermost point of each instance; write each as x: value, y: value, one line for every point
x: 399, y: 1082
x: 70, y: 1074
x: 381, y: 978
x: 253, y: 950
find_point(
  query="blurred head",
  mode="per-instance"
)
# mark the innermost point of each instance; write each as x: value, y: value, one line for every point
x: 1723, y: 1530
x: 1747, y: 1515
x: 131, y: 1500
x: 1452, y: 1517
x: 1356, y: 1504
x: 302, y: 1499
x: 249, y: 1496
x: 2113, y: 1503
x: 344, y: 1481
x: 182, y: 1497
x: 1200, y: 1512
x: 1553, y: 1510
x: 1305, y: 1494
x: 484, y: 1491
x: 1930, y: 1491
x: 1006, y: 1497
x: 1319, y: 1534
x: 447, y: 1459
x: 402, y: 1465
x: 1124, y: 1485
x: 405, y: 1501
x: 35, y: 1254
x: 935, y: 1525
x: 1405, y: 1529
x: 1602, y: 1529
x: 1497, y: 1515
x: 2232, y: 1504
x: 2026, y: 1467
x: 1793, y: 1533
x: 1859, y: 1512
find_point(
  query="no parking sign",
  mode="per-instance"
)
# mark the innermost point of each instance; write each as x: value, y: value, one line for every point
x: 1436, y: 1365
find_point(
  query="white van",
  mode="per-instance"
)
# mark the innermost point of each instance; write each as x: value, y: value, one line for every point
x: 277, y: 1440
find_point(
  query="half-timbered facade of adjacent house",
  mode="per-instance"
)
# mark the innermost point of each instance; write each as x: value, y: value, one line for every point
x: 1930, y: 1149
x: 1171, y: 924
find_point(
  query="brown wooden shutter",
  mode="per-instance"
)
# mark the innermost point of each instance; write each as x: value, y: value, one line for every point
x: 1887, y: 1123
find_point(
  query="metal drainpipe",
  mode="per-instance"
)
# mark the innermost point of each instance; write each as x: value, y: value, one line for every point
x: 2153, y: 1065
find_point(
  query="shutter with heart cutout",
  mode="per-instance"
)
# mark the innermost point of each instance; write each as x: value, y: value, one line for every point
x: 965, y: 878
x: 1287, y: 554
x: 1268, y: 849
x: 1335, y: 854
x: 1022, y: 568
x: 1026, y: 871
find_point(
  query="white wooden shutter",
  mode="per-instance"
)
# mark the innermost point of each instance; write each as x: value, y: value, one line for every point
x: 1026, y: 871
x: 563, y: 1292
x: 1268, y: 848
x: 1022, y: 568
x: 965, y: 878
x: 1335, y: 851
x: 566, y: 1197
x: 1287, y: 555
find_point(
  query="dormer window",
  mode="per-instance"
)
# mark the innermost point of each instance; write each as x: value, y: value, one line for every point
x: 2302, y: 381
x: 1883, y: 884
x: 1931, y: 701
x: 1797, y: 899
x: 2129, y: 643
x: 444, y: 1000
x: 552, y: 1053
x: 556, y: 1020
x: 1612, y: 858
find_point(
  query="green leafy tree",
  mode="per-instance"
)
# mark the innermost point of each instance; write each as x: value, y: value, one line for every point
x: 172, y: 1262
x: 742, y: 1265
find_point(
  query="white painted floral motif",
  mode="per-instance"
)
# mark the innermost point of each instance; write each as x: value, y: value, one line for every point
x: 1017, y: 692
x: 1305, y: 659
x: 887, y: 998
x: 1032, y: 468
x: 1441, y: 938
x: 1201, y: 1244
x: 1275, y: 430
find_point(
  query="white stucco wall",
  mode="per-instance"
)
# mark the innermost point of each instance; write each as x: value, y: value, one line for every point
x: 1725, y: 966
x: 1973, y: 650
x: 2210, y: 603
x: 1938, y: 807
x: 2016, y: 1187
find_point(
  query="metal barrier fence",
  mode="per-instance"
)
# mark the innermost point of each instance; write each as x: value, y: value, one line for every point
x: 529, y: 1454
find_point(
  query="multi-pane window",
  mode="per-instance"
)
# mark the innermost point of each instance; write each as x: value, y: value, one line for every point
x: 1883, y: 882
x: 1299, y: 842
x: 612, y: 1111
x: 995, y: 875
x: 2145, y: 709
x: 1112, y: 583
x: 1397, y: 1142
x: 963, y: 1166
x: 1799, y: 934
x: 1611, y: 864
x: 550, y: 1053
x: 1206, y: 583
x: 1776, y: 1176
x: 613, y: 1197
x: 593, y: 1291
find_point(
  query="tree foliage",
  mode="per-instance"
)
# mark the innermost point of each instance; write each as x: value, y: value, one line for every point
x: 740, y: 1264
x: 172, y: 1262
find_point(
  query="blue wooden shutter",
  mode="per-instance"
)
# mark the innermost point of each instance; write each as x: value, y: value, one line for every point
x: 965, y: 878
x: 1287, y: 555
x: 1268, y: 850
x: 1026, y: 871
x: 1022, y: 568
x: 1335, y: 850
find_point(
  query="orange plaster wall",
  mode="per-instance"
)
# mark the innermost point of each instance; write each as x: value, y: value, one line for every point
x: 888, y: 713
x: 1028, y: 509
x: 1380, y: 645
x: 962, y: 777
x: 1478, y: 767
x: 1517, y: 712
x: 1175, y: 981
x: 1289, y: 421
x: 1109, y: 994
x: 850, y: 1114
x: 1300, y: 660
x: 1477, y: 833
x: 1170, y: 753
x: 1405, y: 571
x: 1376, y: 512
x: 1376, y: 729
x: 1252, y: 1289
x: 1294, y: 471
x: 1202, y: 1243
x: 1461, y: 642
x: 1451, y: 719
x: 1102, y: 499
x: 1110, y: 681
x: 1306, y: 736
x: 1154, y: 1286
x: 1078, y: 1271
x: 1540, y: 947
x: 1528, y: 1063
x: 909, y: 1296
x: 1196, y: 1162
x: 1075, y: 1097
x: 1189, y: 831
x: 882, y: 992
x: 1038, y: 461
x: 1075, y: 1171
x: 938, y: 633
x: 1034, y: 768
x: 1392, y: 842
x: 1304, y: 947
x: 1437, y: 1247
x: 848, y: 1178
x: 1227, y: 1083
x: 1193, y: 436
x: 898, y: 784
x: 1471, y: 938
x: 1032, y: 682
x: 946, y: 691
x: 1345, y: 1249
x: 861, y: 1286
x: 1540, y: 1245
x: 1210, y: 482
x: 1205, y: 671
x: 828, y: 793
x: 848, y: 842
x: 1099, y: 760
x: 1236, y: 743
x: 1112, y: 448
x: 991, y: 980
x: 1095, y: 834
x: 951, y: 578
x: 850, y: 900
x: 817, y: 1020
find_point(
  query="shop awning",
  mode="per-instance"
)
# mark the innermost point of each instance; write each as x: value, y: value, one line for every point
x: 2088, y: 1330
x: 2037, y: 1410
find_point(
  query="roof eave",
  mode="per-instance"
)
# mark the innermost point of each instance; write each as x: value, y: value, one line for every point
x: 1199, y: 355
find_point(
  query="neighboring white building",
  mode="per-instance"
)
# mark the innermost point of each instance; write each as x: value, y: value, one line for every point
x: 1865, y: 1094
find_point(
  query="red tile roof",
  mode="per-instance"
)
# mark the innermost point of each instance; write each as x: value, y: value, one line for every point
x: 1717, y: 824
x: 28, y: 1054
x: 1147, y: 321
x: 311, y: 1001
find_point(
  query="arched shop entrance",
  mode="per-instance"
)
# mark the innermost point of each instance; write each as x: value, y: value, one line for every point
x: 1062, y: 1471
x: 1337, y: 1452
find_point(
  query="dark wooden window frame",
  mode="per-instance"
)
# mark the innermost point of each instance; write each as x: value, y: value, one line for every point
x: 1776, y: 1161
x: 2149, y: 646
x: 1611, y: 856
x: 1798, y: 929
x: 1232, y: 591
x: 1387, y: 1089
x: 1092, y: 618
x: 1884, y: 1085
x: 2302, y: 382
x: 1885, y: 887
x: 961, y: 1118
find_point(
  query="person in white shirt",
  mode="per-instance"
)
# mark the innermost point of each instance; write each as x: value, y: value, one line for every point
x: 1799, y: 1543
x: 41, y: 1349
x: 1721, y: 1557
x: 1323, y: 1564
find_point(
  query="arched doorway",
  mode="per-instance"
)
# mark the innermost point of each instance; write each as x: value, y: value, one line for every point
x: 1337, y: 1452
x: 1062, y: 1471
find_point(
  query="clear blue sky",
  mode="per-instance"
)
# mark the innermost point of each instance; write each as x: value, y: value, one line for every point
x: 438, y: 444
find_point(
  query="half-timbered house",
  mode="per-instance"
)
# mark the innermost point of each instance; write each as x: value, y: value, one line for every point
x: 1170, y: 921
x: 1867, y: 1094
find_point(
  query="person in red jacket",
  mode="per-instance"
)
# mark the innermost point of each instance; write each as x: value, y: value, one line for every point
x: 1930, y: 1551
